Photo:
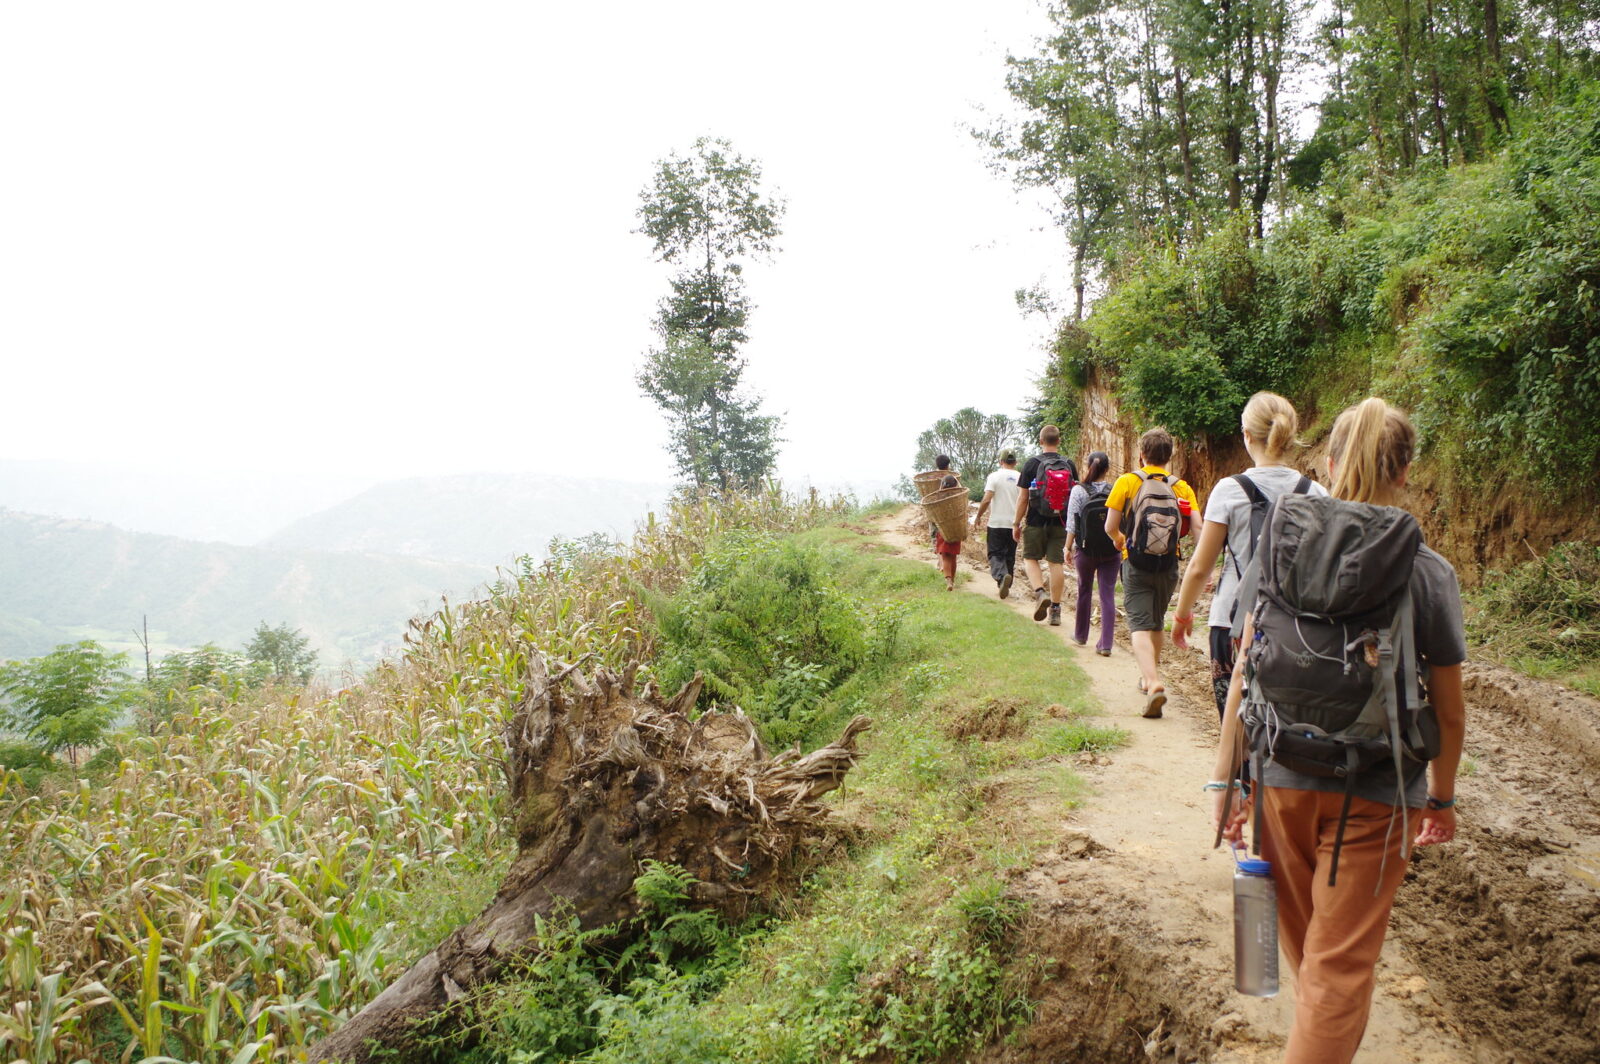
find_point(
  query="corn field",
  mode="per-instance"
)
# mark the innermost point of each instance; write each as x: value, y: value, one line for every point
x: 239, y: 882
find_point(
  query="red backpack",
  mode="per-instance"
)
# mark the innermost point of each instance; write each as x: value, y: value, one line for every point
x: 1052, y: 484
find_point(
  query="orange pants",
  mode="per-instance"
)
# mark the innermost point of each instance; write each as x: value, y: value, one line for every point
x: 1330, y: 935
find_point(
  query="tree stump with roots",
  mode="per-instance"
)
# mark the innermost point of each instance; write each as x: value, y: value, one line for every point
x: 600, y: 782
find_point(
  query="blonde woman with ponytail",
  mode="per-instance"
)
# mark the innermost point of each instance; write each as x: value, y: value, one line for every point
x: 1269, y: 424
x: 1331, y: 931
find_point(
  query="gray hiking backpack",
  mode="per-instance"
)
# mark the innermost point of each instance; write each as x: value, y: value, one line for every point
x: 1332, y: 680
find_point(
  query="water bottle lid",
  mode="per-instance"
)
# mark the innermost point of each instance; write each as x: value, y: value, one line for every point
x: 1256, y: 868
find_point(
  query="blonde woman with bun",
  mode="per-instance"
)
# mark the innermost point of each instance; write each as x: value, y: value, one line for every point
x: 1331, y: 933
x: 1269, y: 424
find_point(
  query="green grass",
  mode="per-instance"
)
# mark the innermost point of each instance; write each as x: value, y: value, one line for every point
x: 904, y: 946
x: 1542, y: 617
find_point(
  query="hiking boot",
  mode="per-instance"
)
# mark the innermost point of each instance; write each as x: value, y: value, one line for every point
x: 1055, y: 614
x: 1005, y: 585
x: 1044, y: 604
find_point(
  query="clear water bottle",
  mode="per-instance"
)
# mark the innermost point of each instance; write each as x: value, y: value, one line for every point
x: 1255, y: 929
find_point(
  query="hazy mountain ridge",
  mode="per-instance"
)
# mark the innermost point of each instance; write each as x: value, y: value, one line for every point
x: 482, y: 518
x: 241, y: 507
x: 63, y: 579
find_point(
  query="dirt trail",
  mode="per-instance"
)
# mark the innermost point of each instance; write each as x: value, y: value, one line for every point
x: 1494, y: 954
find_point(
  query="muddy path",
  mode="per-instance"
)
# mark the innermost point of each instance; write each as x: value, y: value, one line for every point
x: 1494, y: 952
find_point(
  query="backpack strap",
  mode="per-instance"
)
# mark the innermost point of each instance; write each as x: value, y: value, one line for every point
x: 1126, y: 524
x: 1248, y: 486
x: 1245, y: 596
x: 1253, y: 494
x: 1389, y: 662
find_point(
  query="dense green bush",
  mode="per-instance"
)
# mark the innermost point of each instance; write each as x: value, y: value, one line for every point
x: 1470, y: 295
x: 769, y: 630
x: 585, y: 992
x: 1549, y: 607
x: 26, y: 760
x: 1189, y: 340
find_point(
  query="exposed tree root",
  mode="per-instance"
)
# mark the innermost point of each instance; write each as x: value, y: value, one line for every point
x: 601, y: 781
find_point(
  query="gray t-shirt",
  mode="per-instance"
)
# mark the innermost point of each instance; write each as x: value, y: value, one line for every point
x: 1229, y: 505
x: 1441, y: 639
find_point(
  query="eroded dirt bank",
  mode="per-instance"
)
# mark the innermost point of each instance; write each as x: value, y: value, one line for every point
x: 1494, y: 954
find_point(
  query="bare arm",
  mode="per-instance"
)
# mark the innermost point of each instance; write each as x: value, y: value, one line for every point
x: 1114, y: 528
x: 983, y: 508
x: 1232, y: 741
x: 1206, y: 551
x: 1444, y: 689
x: 1022, y: 514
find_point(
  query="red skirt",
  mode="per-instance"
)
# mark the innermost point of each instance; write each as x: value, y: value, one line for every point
x: 944, y: 546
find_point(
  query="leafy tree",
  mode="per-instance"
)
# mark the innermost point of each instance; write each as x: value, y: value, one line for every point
x: 973, y: 440
x: 704, y: 212
x: 68, y: 697
x: 720, y: 439
x: 284, y: 651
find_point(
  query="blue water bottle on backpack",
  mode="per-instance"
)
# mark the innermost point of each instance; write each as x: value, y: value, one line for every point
x: 1255, y: 929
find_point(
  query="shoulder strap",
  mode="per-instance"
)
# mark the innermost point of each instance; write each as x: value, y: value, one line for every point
x: 1245, y: 597
x: 1257, y: 499
x: 1303, y: 487
x: 1252, y: 492
x: 1392, y: 660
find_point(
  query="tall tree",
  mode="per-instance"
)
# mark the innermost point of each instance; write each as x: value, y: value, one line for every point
x: 68, y: 697
x: 973, y: 441
x: 705, y: 213
x: 284, y: 651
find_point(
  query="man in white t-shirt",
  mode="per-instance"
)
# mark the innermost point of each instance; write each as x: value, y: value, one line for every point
x: 1000, y: 494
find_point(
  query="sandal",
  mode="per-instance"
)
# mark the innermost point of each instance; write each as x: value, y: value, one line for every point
x: 1153, y: 704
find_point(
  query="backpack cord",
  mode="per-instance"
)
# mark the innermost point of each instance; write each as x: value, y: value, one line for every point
x: 1343, y: 662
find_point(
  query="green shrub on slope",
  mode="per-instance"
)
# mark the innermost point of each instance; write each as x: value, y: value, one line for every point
x: 1470, y: 295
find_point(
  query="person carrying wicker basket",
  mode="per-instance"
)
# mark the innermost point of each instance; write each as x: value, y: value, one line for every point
x: 947, y: 550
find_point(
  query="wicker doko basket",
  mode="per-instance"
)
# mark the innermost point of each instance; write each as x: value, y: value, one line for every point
x: 928, y: 483
x: 947, y: 508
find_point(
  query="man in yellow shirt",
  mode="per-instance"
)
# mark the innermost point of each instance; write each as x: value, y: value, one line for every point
x: 1146, y: 515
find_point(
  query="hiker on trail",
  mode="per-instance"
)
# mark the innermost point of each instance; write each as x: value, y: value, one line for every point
x: 1001, y: 491
x: 1040, y: 522
x: 941, y: 463
x: 1148, y: 513
x: 1096, y: 558
x: 1374, y: 664
x: 947, y: 550
x: 1234, y: 516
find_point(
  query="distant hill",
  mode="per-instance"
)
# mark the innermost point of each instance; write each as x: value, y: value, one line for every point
x: 484, y: 519
x: 63, y: 579
x: 170, y: 500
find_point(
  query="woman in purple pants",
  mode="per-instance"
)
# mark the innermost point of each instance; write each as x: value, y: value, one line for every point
x: 1096, y: 557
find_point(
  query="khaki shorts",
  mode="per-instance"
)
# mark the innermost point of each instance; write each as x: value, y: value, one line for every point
x: 1146, y: 596
x: 1048, y: 542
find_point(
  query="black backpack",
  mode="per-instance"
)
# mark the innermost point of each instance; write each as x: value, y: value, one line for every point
x: 1259, y: 505
x: 1331, y: 676
x: 1091, y: 530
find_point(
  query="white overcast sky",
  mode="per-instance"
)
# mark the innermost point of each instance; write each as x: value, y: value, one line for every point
x: 393, y: 239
